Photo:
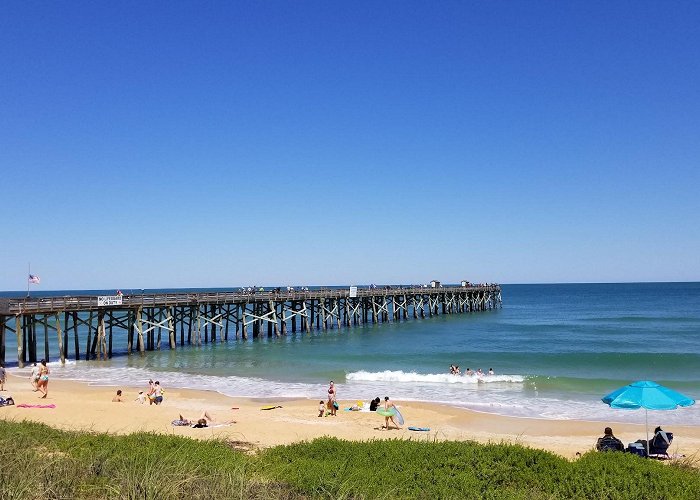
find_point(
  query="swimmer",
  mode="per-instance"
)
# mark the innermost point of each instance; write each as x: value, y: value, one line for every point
x: 491, y: 372
x: 479, y: 373
x: 469, y: 372
x: 457, y: 370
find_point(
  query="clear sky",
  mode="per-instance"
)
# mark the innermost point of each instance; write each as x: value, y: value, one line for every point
x: 202, y: 144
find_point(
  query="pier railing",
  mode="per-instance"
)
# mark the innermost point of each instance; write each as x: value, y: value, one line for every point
x: 32, y: 305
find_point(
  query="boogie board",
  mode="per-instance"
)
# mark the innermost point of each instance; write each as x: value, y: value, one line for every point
x: 419, y: 429
x: 398, y: 417
x: 270, y: 407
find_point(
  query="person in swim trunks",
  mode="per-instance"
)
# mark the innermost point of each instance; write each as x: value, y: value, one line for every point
x: 34, y: 377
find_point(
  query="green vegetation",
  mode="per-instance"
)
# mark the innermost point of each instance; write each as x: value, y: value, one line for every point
x: 38, y: 461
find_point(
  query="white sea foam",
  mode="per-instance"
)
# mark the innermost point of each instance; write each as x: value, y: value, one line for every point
x: 439, y: 378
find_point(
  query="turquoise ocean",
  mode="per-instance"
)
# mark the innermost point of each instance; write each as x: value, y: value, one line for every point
x: 556, y: 350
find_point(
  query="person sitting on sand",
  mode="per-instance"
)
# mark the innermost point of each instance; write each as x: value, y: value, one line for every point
x: 141, y: 398
x: 388, y: 404
x: 374, y: 404
x: 321, y: 408
x: 157, y: 396
x: 609, y: 442
x: 118, y: 397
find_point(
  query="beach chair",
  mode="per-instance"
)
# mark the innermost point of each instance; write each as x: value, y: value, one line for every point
x: 609, y: 443
x: 659, y: 444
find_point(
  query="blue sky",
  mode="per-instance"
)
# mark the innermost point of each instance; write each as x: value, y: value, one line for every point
x: 181, y: 144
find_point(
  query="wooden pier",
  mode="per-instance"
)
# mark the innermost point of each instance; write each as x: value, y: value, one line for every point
x: 148, y: 322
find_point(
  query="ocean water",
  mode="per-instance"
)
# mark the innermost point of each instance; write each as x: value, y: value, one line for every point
x: 556, y: 350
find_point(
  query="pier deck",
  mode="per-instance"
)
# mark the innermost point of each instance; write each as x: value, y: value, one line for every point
x: 143, y: 319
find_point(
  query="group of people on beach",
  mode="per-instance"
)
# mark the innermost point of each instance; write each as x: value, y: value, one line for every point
x: 454, y: 370
x: 655, y: 446
x: 331, y: 406
x: 154, y: 394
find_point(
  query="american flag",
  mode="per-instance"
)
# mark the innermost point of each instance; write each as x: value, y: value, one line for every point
x: 34, y: 279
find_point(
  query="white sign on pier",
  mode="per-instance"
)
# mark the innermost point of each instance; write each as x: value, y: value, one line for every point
x: 109, y: 300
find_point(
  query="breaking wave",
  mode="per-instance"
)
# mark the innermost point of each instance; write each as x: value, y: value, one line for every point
x: 437, y: 378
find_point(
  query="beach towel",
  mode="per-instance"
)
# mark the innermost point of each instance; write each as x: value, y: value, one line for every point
x: 180, y: 423
x: 25, y: 405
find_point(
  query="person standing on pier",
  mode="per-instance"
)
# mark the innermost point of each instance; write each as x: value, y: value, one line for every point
x: 2, y: 377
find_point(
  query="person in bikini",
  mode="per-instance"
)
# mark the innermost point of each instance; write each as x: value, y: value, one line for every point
x: 43, y: 384
x: 388, y: 404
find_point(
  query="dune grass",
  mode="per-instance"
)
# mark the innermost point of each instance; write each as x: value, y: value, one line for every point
x: 38, y: 461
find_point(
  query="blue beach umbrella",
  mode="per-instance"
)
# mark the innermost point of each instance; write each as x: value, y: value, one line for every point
x: 648, y: 395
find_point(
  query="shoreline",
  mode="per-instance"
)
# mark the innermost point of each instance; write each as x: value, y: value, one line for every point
x: 80, y: 406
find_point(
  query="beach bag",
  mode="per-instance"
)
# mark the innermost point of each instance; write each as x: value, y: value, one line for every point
x: 7, y: 401
x: 335, y: 405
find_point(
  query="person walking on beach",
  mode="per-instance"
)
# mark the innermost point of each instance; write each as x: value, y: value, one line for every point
x: 34, y: 377
x: 43, y: 383
x: 332, y: 399
x: 387, y: 405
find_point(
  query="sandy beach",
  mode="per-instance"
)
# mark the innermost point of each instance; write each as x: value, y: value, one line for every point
x: 79, y: 406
